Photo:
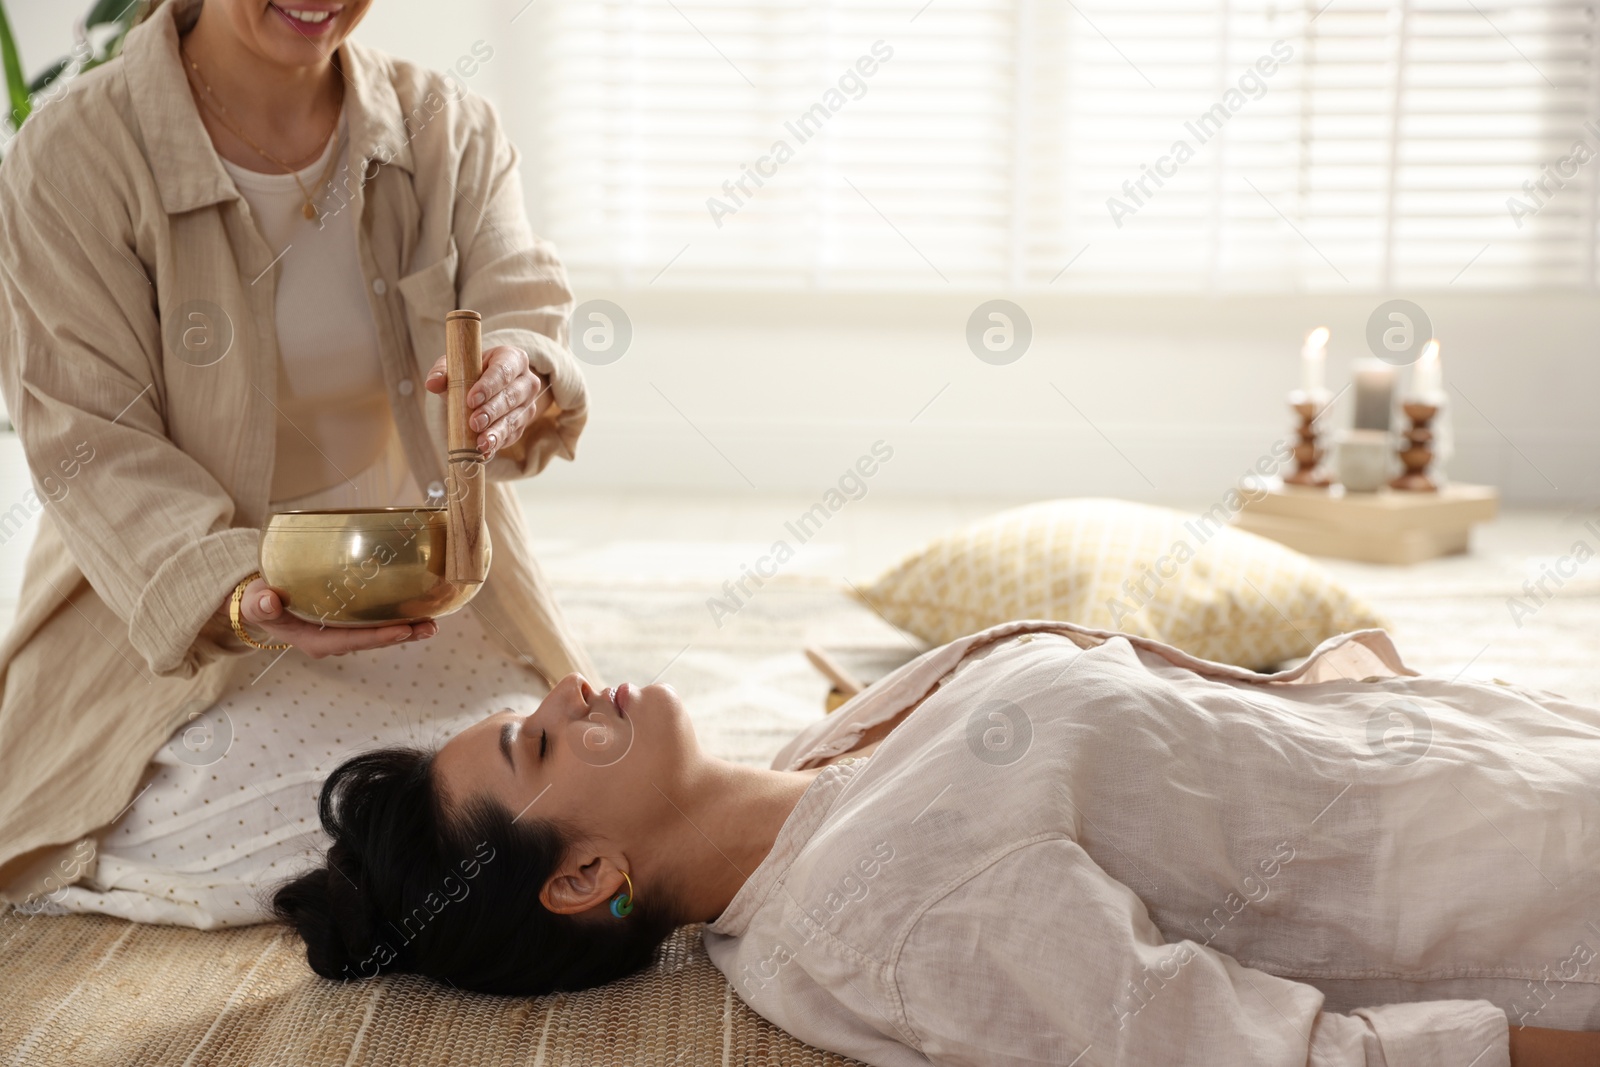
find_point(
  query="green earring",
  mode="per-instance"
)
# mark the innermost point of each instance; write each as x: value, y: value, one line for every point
x: 622, y: 903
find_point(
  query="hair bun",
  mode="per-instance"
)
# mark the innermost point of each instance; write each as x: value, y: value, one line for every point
x: 333, y: 917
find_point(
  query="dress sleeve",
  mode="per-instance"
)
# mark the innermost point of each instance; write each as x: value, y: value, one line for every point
x: 515, y: 280
x: 81, y: 367
x: 1042, y: 957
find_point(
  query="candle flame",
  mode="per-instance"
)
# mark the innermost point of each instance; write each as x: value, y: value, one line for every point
x: 1430, y: 351
x: 1317, y: 338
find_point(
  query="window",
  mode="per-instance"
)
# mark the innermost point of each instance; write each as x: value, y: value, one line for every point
x: 1185, y: 145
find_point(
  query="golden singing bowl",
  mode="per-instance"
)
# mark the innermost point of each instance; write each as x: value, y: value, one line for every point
x: 362, y: 566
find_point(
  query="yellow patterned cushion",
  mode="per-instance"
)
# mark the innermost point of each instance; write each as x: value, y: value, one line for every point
x: 1208, y: 588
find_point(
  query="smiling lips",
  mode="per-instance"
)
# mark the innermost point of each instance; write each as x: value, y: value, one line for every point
x: 621, y: 696
x: 308, y: 20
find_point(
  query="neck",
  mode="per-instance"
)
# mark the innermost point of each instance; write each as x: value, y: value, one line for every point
x: 730, y: 817
x: 274, y: 101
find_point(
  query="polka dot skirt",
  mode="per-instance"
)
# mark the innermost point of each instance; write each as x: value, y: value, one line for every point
x: 230, y: 809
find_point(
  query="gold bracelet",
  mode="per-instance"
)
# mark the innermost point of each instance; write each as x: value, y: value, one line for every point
x: 238, y: 624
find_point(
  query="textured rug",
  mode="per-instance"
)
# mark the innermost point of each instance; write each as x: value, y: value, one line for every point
x: 92, y: 991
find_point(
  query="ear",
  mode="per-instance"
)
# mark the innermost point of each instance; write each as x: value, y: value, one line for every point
x: 583, y: 882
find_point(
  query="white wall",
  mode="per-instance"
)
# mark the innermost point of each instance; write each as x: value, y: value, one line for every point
x: 793, y: 387
x: 1174, y: 397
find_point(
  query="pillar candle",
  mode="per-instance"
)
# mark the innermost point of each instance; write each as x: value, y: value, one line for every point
x: 1374, y: 380
x: 1313, y: 360
x: 1427, y: 378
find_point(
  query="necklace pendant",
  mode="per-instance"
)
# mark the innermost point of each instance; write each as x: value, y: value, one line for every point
x: 309, y: 212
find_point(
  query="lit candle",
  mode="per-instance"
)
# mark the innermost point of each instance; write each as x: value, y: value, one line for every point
x: 1313, y: 361
x: 1427, y: 378
x: 1374, y: 380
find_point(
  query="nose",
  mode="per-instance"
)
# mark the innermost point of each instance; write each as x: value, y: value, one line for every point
x: 581, y: 684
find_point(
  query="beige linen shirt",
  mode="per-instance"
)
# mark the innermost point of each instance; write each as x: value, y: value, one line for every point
x: 1089, y: 848
x: 139, y: 363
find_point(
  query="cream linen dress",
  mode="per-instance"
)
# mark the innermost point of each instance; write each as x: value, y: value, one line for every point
x: 229, y: 808
x: 1089, y: 848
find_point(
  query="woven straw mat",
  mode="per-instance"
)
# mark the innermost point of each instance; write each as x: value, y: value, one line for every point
x: 86, y: 990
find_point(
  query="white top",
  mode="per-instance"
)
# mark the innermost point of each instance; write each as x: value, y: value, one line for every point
x: 229, y: 807
x: 336, y: 431
x: 1116, y: 854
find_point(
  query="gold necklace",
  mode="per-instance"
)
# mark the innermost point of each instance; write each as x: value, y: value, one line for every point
x: 310, y: 209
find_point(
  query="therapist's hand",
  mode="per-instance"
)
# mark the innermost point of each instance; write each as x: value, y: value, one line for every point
x: 504, y: 401
x: 264, y: 617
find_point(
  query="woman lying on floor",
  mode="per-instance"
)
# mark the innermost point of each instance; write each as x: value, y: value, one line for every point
x: 1037, y: 845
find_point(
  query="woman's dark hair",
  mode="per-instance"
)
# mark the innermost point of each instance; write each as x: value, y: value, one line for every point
x: 452, y: 895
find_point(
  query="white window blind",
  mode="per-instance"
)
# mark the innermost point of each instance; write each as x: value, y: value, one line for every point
x: 1166, y: 145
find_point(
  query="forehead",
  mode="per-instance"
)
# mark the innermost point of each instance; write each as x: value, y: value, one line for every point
x: 477, y: 739
x: 468, y: 754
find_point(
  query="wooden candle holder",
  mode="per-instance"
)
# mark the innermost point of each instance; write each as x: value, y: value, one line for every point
x: 1307, y: 454
x: 1417, y: 452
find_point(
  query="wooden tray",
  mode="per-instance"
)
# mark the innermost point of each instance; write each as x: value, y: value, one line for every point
x: 1383, y: 527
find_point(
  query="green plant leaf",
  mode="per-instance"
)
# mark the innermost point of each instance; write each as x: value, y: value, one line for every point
x: 105, y: 11
x: 125, y: 18
x: 114, y: 46
x: 16, y: 85
x: 50, y: 74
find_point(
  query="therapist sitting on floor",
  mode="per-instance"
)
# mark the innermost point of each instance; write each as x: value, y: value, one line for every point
x: 228, y: 257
